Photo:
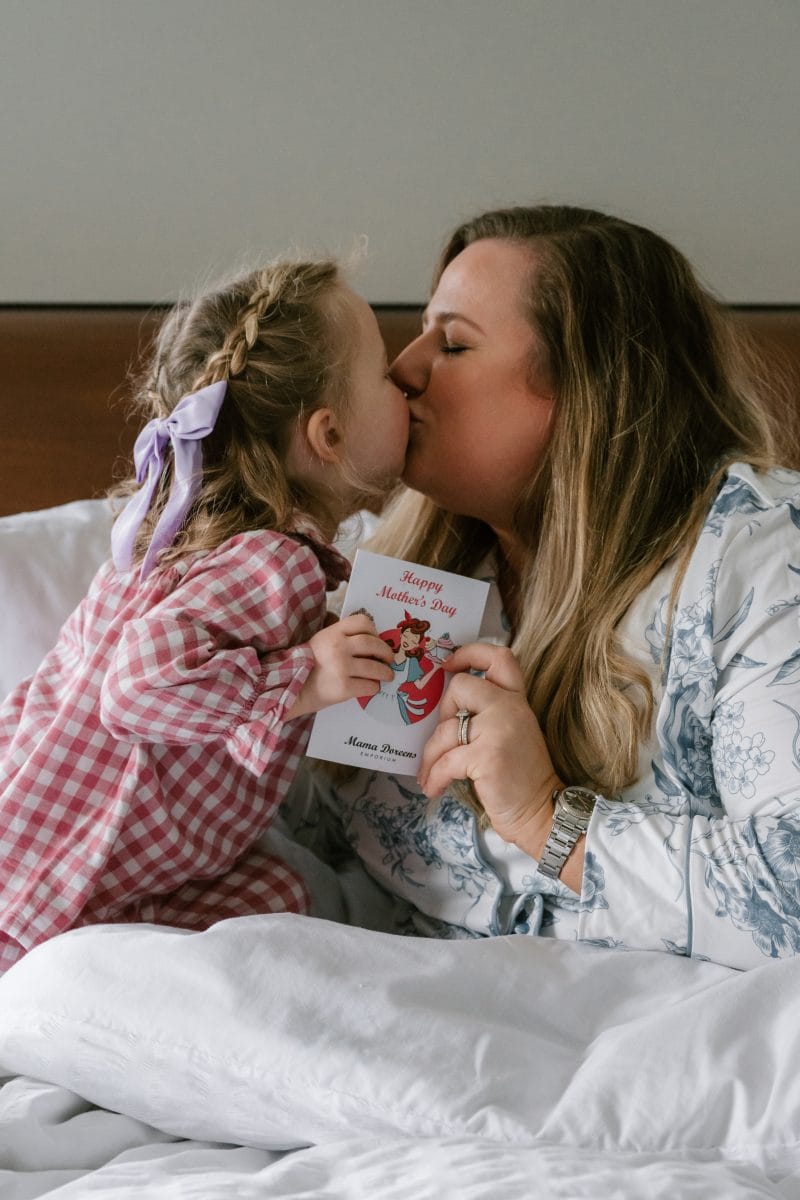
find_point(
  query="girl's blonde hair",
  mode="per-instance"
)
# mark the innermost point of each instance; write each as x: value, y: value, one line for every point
x: 654, y: 397
x: 278, y: 336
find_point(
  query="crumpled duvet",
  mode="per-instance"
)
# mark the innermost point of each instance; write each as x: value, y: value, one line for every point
x: 178, y: 1064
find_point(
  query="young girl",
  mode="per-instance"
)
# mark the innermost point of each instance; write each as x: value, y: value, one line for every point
x: 151, y: 748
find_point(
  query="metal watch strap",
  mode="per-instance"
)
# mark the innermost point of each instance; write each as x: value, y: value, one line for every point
x: 567, y: 828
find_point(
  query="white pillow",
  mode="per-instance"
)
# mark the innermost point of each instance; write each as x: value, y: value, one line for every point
x: 47, y: 561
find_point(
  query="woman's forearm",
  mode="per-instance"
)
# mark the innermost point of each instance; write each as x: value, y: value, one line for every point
x: 532, y: 842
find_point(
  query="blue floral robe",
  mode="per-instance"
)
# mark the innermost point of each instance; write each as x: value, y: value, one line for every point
x: 701, y: 856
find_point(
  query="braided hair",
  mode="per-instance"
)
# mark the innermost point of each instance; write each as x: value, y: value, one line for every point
x: 278, y: 337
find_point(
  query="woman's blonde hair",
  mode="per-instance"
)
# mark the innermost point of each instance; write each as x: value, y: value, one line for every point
x: 654, y: 396
x: 278, y: 336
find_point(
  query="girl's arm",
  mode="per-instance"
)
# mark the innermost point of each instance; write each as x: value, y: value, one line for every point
x: 350, y: 660
x: 224, y: 655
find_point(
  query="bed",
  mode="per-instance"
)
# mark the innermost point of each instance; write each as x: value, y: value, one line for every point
x: 328, y: 1056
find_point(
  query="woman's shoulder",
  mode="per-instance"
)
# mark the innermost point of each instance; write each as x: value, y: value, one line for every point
x: 749, y: 500
x: 749, y: 546
x: 748, y: 490
x: 739, y: 597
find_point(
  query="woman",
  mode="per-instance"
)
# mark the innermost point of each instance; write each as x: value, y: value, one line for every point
x: 586, y: 432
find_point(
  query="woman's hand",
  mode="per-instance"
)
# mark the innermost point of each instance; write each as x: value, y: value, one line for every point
x: 350, y: 660
x: 506, y: 759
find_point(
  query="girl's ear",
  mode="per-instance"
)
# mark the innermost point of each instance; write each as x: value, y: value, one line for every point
x: 323, y: 436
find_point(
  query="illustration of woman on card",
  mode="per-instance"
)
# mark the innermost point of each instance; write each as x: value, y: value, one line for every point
x: 418, y: 676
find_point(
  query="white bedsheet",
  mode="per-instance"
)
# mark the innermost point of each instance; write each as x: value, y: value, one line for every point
x: 391, y: 1067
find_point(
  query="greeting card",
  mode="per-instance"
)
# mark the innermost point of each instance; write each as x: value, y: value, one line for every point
x: 424, y: 615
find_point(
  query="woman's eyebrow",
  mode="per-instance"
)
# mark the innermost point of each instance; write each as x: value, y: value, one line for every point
x: 441, y: 318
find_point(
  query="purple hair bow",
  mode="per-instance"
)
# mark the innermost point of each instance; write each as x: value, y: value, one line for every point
x: 190, y: 421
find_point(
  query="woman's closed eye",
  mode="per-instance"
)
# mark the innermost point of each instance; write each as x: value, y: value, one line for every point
x: 453, y: 348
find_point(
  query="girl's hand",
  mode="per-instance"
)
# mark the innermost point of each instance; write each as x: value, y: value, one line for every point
x: 506, y: 758
x: 349, y: 660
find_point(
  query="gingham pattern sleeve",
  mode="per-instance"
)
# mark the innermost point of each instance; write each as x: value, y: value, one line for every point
x: 214, y: 659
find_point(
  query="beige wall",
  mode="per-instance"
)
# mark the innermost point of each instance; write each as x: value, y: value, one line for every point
x: 149, y: 142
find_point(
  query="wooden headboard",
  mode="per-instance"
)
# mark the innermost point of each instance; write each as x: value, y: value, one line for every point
x: 64, y: 397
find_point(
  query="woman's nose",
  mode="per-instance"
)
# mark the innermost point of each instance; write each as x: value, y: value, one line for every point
x: 408, y: 370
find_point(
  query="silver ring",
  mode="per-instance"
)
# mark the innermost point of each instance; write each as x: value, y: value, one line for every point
x: 464, y: 718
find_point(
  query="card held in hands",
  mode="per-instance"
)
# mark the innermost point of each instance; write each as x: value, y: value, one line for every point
x: 424, y: 615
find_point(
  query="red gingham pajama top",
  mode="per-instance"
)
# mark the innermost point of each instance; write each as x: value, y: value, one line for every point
x: 149, y: 751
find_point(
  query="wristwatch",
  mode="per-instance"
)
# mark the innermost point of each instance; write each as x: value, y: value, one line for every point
x: 573, y: 811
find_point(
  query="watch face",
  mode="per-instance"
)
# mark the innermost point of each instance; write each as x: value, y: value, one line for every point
x: 579, y: 800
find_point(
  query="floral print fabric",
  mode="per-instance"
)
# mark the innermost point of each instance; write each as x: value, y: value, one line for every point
x: 701, y: 856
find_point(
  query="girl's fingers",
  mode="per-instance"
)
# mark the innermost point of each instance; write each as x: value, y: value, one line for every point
x: 358, y: 623
x: 353, y: 689
x: 370, y: 668
x: 364, y: 645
